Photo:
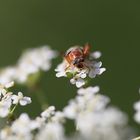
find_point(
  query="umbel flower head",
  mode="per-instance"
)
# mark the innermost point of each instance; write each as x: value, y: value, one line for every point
x: 31, y: 62
x: 79, y: 64
x: 95, y: 119
x: 9, y: 100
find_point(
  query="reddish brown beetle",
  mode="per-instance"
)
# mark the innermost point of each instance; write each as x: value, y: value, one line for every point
x: 76, y: 56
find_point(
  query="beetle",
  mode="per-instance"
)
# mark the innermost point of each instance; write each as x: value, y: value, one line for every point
x: 75, y: 56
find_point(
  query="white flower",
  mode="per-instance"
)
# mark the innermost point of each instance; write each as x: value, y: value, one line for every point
x: 5, y: 103
x: 31, y: 62
x: 38, y: 58
x: 58, y: 117
x: 106, y: 125
x: 2, y: 91
x: 40, y: 121
x: 61, y: 69
x: 21, y: 99
x: 8, y: 134
x: 93, y: 119
x: 87, y: 100
x: 7, y: 75
x: 8, y: 99
x: 48, y: 112
x: 23, y: 125
x: 89, y: 68
x: 8, y: 85
x: 52, y: 131
x: 70, y: 111
x: 4, y: 87
x: 96, y: 54
x: 137, y: 114
x: 5, y: 107
x: 137, y: 117
x: 95, y: 69
x: 137, y: 106
x: 78, y: 81
x: 51, y: 125
x: 88, y: 90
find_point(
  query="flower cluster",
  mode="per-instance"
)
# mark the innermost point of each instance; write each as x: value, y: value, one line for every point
x: 9, y: 99
x: 31, y: 62
x: 93, y: 117
x: 20, y: 129
x: 48, y: 125
x: 78, y: 76
x: 93, y: 120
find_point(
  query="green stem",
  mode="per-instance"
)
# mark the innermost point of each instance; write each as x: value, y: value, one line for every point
x: 11, y: 116
x: 13, y: 109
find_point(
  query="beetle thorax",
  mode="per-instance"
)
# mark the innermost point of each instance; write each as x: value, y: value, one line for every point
x: 75, y: 54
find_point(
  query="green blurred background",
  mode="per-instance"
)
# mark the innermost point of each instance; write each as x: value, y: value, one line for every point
x: 111, y: 26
